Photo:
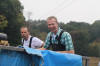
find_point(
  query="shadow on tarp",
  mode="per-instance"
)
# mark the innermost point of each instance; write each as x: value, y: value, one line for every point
x: 39, y: 58
x: 15, y: 58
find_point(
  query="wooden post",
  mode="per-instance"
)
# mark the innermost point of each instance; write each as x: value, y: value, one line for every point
x: 86, y: 60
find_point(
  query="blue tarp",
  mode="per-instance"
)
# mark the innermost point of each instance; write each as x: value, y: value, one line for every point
x: 52, y: 58
x: 13, y: 58
x: 59, y: 59
x: 39, y: 57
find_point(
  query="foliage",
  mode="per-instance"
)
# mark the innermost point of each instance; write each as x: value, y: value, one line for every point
x: 95, y: 30
x: 12, y: 10
x: 3, y: 22
x: 81, y: 40
x: 72, y: 25
x: 37, y: 28
x: 94, y: 48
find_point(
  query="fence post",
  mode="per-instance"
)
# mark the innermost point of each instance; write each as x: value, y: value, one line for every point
x: 86, y: 60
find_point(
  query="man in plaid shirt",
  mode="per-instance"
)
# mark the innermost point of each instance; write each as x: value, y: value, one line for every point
x: 57, y: 39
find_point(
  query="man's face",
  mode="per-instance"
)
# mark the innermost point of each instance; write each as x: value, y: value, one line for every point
x: 52, y: 25
x: 24, y: 33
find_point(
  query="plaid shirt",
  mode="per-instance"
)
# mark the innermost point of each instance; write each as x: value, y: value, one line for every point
x: 65, y: 39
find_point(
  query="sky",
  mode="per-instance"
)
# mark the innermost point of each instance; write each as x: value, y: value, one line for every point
x: 65, y: 10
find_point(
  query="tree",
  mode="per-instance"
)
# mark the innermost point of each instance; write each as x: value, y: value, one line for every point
x: 94, y: 48
x: 72, y: 25
x: 95, y: 30
x: 12, y: 10
x: 37, y: 28
x: 81, y: 41
x: 3, y: 22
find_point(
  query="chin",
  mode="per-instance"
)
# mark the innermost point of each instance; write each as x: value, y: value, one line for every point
x: 53, y: 31
x: 23, y: 37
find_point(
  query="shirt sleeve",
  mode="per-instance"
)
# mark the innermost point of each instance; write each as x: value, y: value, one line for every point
x: 37, y: 42
x: 68, y: 41
x: 47, y: 41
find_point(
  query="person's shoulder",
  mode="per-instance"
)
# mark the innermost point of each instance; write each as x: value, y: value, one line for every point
x: 66, y: 33
x: 49, y: 34
x: 35, y: 38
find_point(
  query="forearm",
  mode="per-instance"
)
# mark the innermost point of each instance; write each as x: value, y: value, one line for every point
x: 42, y: 48
x: 71, y: 51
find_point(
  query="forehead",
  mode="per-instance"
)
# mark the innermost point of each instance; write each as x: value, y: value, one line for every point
x: 52, y: 20
x: 24, y: 29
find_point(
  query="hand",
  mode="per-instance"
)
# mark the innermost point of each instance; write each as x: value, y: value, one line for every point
x: 41, y: 48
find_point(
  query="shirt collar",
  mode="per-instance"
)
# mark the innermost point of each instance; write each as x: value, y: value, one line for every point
x: 28, y: 38
x: 58, y: 32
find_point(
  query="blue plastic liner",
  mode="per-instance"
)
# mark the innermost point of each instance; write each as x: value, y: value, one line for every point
x: 39, y: 58
x: 52, y: 58
x: 61, y: 59
x: 13, y: 58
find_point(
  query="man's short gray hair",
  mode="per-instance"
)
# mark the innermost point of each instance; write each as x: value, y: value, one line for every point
x: 52, y: 17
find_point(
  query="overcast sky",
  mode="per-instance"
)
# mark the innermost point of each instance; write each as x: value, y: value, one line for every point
x: 65, y: 10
